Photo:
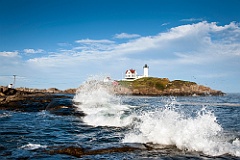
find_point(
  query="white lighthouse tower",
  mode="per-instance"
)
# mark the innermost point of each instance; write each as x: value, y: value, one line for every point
x: 145, y: 70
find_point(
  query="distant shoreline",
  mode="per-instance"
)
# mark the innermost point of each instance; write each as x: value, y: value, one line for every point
x: 149, y: 86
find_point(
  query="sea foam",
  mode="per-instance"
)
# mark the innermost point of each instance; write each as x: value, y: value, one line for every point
x: 167, y: 127
x: 101, y: 106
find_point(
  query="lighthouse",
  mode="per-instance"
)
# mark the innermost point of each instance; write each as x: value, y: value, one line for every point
x: 145, y: 70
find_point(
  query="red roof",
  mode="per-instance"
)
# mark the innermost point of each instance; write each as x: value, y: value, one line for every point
x: 131, y: 70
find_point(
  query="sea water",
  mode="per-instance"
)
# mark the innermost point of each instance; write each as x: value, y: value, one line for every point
x: 169, y: 127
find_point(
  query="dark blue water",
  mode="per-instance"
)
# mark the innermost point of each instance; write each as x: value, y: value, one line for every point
x: 174, y: 128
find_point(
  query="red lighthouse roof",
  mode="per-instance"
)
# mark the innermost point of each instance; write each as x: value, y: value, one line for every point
x: 131, y: 70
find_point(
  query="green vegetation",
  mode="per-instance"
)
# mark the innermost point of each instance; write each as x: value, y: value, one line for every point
x: 152, y: 86
x: 151, y: 82
x: 180, y: 83
x: 126, y: 84
x: 157, y: 83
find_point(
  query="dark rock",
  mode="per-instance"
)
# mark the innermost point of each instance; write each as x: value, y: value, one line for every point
x: 79, y: 151
x: 61, y: 106
x: 70, y: 91
x: 7, y: 91
x: 73, y: 151
x: 112, y: 150
x: 25, y: 102
x: 35, y: 102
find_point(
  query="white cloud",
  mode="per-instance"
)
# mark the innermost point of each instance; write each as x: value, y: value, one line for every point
x: 92, y: 46
x: 136, y: 46
x: 164, y: 24
x: 126, y: 36
x: 33, y: 51
x: 64, y: 44
x: 174, y: 40
x: 9, y: 54
x: 191, y: 19
x: 90, y: 41
x: 186, y: 43
x: 232, y: 25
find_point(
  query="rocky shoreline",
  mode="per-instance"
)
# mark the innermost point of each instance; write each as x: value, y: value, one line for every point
x: 193, y: 90
x: 15, y: 100
x: 151, y: 86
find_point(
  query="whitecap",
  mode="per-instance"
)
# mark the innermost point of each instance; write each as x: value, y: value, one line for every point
x: 31, y: 146
x: 5, y: 115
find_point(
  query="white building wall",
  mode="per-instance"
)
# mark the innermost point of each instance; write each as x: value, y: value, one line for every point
x: 145, y: 70
x: 131, y: 75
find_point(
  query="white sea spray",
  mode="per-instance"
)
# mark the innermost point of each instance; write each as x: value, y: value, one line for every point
x: 167, y: 126
x: 101, y: 106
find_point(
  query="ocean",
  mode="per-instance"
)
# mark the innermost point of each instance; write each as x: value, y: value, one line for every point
x: 191, y: 127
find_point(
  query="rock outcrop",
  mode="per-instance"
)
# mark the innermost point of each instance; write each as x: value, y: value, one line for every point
x: 80, y: 152
x: 59, y: 104
x: 151, y: 86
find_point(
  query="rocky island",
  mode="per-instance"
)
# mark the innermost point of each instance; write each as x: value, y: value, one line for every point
x: 135, y: 84
x: 151, y: 86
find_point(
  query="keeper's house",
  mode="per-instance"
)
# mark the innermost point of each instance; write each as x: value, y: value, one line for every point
x: 131, y: 74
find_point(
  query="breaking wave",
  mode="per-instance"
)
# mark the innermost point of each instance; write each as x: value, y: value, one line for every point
x: 101, y: 106
x: 160, y: 125
x: 168, y: 127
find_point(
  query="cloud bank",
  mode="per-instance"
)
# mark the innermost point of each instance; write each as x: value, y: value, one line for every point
x: 200, y: 50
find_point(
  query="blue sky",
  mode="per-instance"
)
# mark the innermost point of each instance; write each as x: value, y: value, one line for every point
x: 60, y: 43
